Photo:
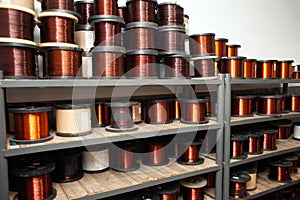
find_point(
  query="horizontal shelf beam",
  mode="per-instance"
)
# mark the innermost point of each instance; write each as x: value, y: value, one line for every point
x: 263, y: 81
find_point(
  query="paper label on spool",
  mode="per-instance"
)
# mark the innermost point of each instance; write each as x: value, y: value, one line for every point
x: 84, y: 121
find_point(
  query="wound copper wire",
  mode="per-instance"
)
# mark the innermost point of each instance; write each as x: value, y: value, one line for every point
x: 170, y: 14
x: 237, y: 147
x: 285, y: 103
x: 141, y: 10
x: 293, y: 103
x: 106, y: 7
x: 211, y: 179
x: 283, y: 129
x: 123, y: 158
x: 16, y: 24
x: 294, y: 160
x: 202, y: 44
x: 280, y: 171
x: 269, y: 105
x: 191, y: 154
x: 192, y: 189
x: 176, y: 104
x: 172, y: 196
x: 221, y: 49
x: 158, y: 112
x: 270, y: 140
x: 242, y: 106
x: 103, y: 114
x: 249, y: 68
x: 123, y: 12
x: 204, y: 67
x: 254, y: 144
x: 156, y: 155
x: 296, y: 75
x: 234, y: 66
x: 177, y: 66
x: 171, y: 39
x: 57, y: 4
x: 232, y: 50
x: 194, y: 111
x: 121, y: 115
x: 283, y: 69
x: 237, y: 186
x: 265, y: 69
x: 85, y: 9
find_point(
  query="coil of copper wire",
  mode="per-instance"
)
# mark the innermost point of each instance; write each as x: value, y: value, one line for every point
x: 252, y: 172
x: 86, y: 9
x: 176, y: 107
x: 157, y: 154
x: 202, y: 44
x: 170, y: 14
x: 31, y: 125
x: 107, y: 30
x: 176, y: 66
x: 221, y: 48
x: 158, y: 111
x: 141, y: 10
x: 242, y: 106
x: 280, y: 171
x: 103, y: 113
x: 269, y: 105
x: 237, y: 147
x: 254, y: 144
x: 121, y: 117
x: 57, y: 5
x: 294, y: 160
x: 106, y: 7
x: 192, y: 188
x: 168, y: 193
x: 266, y: 69
x: 296, y: 75
x: 171, y: 40
x: 191, y: 152
x: 232, y: 50
x: 237, y: 186
x: 211, y: 179
x: 284, y: 129
x: 293, y: 102
x: 17, y: 60
x: 285, y: 103
x: 140, y: 35
x: 123, y: 12
x: 28, y: 5
x: 108, y: 61
x: 63, y: 61
x: 284, y: 69
x: 34, y: 181
x: 23, y: 22
x: 249, y: 68
x: 204, y: 67
x: 234, y: 66
x: 194, y: 111
x: 141, y: 64
x: 269, y: 140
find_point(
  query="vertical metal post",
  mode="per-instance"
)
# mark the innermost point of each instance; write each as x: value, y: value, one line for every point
x: 285, y: 88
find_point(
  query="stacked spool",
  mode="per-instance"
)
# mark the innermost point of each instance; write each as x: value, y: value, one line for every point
x: 17, y: 46
x: 62, y: 58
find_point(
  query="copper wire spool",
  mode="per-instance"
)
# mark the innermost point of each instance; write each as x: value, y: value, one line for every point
x: 211, y: 179
x: 269, y: 105
x: 270, y: 140
x: 22, y: 26
x: 284, y: 129
x: 63, y: 61
x: 204, y: 67
x: 202, y: 44
x: 265, y: 69
x: 280, y: 171
x: 141, y: 10
x: 171, y: 39
x: 170, y: 14
x: 283, y: 69
x: 140, y: 35
x: 176, y: 66
x: 68, y: 167
x: 17, y: 60
x: 242, y: 106
x: 35, y: 182
x: 108, y: 61
x: 296, y: 75
x: 86, y: 9
x: 194, y: 111
x: 252, y: 172
x: 107, y: 30
x: 106, y: 7
x: 238, y: 182
x: 285, y: 103
x: 57, y: 5
x: 192, y: 188
x: 190, y: 155
x: 232, y: 50
x: 141, y: 64
x: 253, y: 145
x: 123, y: 12
x: 294, y: 160
x: 293, y: 103
x: 31, y: 125
x: 158, y: 111
x: 157, y: 155
x: 221, y: 48
x: 234, y: 66
x: 176, y: 104
x: 103, y: 114
x: 237, y: 147
x: 249, y: 68
x: 168, y: 193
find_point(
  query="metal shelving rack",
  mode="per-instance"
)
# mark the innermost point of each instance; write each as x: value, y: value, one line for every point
x: 218, y: 125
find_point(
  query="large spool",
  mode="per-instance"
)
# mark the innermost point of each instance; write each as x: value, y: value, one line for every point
x: 283, y: 69
x: 192, y: 188
x: 249, y: 68
x: 283, y: 128
x: 266, y: 69
x: 176, y: 66
x: 156, y: 154
x: 238, y: 183
x: 280, y: 171
x: 202, y: 44
x: 237, y: 147
x: 95, y: 159
x: 234, y: 66
x: 269, y: 105
x: 204, y: 67
x: 141, y: 10
x: 158, y: 111
x: 194, y: 111
x: 242, y: 106
x: 190, y: 155
x: 170, y: 14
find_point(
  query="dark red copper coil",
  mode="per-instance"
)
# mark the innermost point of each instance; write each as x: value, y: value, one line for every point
x: 106, y: 7
x: 190, y: 155
x: 270, y: 140
x: 232, y: 50
x: 202, y: 44
x: 141, y: 10
x: 242, y: 106
x: 283, y: 69
x: 168, y: 193
x: 204, y: 67
x: 293, y: 103
x: 170, y: 14
x: 177, y: 66
x: 194, y: 111
x: 249, y: 68
x: 123, y: 12
x: 265, y: 69
x: 85, y: 9
x: 57, y: 4
x: 294, y: 160
x: 211, y: 179
x: 234, y: 66
x: 285, y: 103
x: 284, y: 129
x: 62, y: 62
x: 16, y: 24
x: 121, y: 115
x: 108, y: 62
x: 158, y: 112
x: 156, y: 155
x: 17, y: 60
x: 141, y: 64
x: 210, y: 107
x: 221, y: 48
x: 237, y: 147
x: 192, y: 189
x: 280, y: 171
x: 171, y: 39
x: 238, y: 185
x: 254, y: 144
x: 103, y: 114
x: 269, y: 105
x: 296, y: 75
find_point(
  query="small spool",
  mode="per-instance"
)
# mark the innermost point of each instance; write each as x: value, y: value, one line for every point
x: 242, y: 106
x: 170, y: 14
x: 202, y: 44
x: 233, y: 50
x: 157, y: 155
x: 204, y: 67
x: 73, y: 120
x: 270, y: 140
x: 234, y: 66
x: 294, y: 160
x: 283, y: 69
x: 105, y: 7
x: 296, y: 75
x: 252, y: 183
x: 95, y: 159
x: 84, y: 37
x: 190, y: 155
x: 284, y: 129
x: 265, y: 69
x: 280, y: 171
x: 168, y: 193
x: 293, y: 102
x: 87, y: 65
x: 27, y: 4
x: 103, y: 114
x: 137, y: 113
x: 141, y: 10
x: 221, y: 48
x: 269, y: 105
x: 253, y: 145
x: 186, y: 19
x: 158, y: 111
x: 194, y: 111
x: 86, y: 9
x: 237, y: 147
x: 176, y: 66
x: 192, y: 188
x: 249, y: 68
x: 296, y: 133
x: 238, y: 183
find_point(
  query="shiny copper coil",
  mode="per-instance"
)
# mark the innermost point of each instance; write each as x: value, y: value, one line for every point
x: 194, y: 111
x: 249, y: 68
x: 123, y: 12
x: 234, y: 66
x: 192, y: 189
x: 168, y: 193
x: 22, y: 26
x: 237, y: 147
x: 265, y: 69
x: 284, y: 129
x: 121, y: 115
x: 238, y: 185
x: 18, y: 60
x: 280, y: 171
x: 202, y: 44
x: 156, y: 155
x: 283, y: 69
x: 85, y: 9
x: 254, y: 144
x: 221, y: 49
x: 103, y: 114
x: 62, y: 62
x: 177, y: 66
x: 232, y: 50
x: 242, y: 106
x: 170, y: 14
x: 141, y: 64
x: 269, y: 105
x: 296, y: 75
x: 106, y: 7
x: 204, y: 67
x: 108, y: 62
x: 141, y: 10
x: 293, y: 103
x: 294, y: 160
x: 171, y: 39
x: 158, y: 112
x: 270, y: 140
x: 176, y: 104
x: 57, y: 5
x: 190, y: 155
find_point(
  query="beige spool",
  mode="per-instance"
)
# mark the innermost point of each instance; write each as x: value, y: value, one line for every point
x: 137, y: 113
x: 22, y: 5
x: 87, y: 65
x: 84, y: 39
x: 73, y: 120
x: 195, y: 182
x: 95, y: 160
x: 251, y: 185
